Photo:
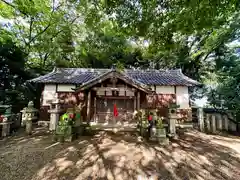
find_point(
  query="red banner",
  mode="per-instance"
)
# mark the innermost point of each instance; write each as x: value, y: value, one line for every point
x: 115, y: 111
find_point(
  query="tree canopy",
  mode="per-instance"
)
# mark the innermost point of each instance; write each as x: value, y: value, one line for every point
x: 189, y: 34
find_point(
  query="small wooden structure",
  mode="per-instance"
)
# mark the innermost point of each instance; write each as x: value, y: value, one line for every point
x: 111, y: 90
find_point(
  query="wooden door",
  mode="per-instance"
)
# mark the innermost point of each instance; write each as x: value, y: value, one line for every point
x: 104, y: 110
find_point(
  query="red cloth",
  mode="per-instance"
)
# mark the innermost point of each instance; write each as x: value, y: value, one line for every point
x: 115, y: 111
x: 72, y: 116
x: 150, y: 117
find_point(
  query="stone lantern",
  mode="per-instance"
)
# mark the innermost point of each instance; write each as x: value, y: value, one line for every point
x: 8, y: 114
x: 7, y: 120
x: 54, y: 114
x: 172, y: 117
x: 29, y: 113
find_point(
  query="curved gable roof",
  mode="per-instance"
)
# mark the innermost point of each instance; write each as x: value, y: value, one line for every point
x: 147, y: 77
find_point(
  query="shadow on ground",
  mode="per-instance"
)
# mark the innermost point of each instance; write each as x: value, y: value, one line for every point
x: 119, y: 156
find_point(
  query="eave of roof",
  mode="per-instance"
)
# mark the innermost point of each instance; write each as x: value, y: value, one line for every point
x: 146, y: 77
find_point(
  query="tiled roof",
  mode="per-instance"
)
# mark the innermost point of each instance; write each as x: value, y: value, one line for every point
x: 147, y: 77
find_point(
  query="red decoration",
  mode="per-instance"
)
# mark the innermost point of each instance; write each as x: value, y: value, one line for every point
x: 115, y: 111
x: 150, y: 117
x: 72, y: 116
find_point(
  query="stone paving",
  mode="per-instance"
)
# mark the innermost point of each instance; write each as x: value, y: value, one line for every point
x: 119, y: 156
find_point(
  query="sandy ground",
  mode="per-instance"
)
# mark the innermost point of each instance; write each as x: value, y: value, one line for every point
x: 119, y: 156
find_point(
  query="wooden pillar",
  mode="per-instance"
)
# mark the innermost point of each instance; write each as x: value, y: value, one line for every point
x: 138, y: 100
x: 88, y: 106
x: 95, y: 109
x: 200, y: 119
x: 135, y: 103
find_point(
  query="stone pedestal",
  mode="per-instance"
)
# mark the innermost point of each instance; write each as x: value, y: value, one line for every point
x: 5, y: 128
x: 225, y: 122
x: 64, y: 133
x: 200, y: 119
x: 172, y: 126
x: 78, y: 120
x: 7, y: 120
x: 219, y: 122
x: 213, y: 123
x: 54, y: 118
x: 29, y: 126
x: 208, y: 122
x: 172, y: 118
x: 159, y: 135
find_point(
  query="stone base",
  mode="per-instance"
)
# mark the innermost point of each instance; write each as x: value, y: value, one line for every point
x: 163, y: 141
x: 64, y: 133
x: 61, y: 138
x: 79, y: 130
x: 69, y: 138
x: 139, y: 139
x: 160, y: 140
x: 43, y: 123
x: 173, y: 136
x: 157, y: 133
x: 5, y: 128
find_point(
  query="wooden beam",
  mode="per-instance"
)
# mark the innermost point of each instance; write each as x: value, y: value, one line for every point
x: 113, y: 89
x: 116, y: 97
x: 138, y: 100
x: 95, y: 108
x: 135, y: 104
x: 88, y: 106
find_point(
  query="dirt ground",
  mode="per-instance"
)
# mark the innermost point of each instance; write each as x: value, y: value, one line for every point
x: 119, y: 156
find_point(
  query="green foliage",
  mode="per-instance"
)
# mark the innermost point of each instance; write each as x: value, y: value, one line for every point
x: 159, y: 123
x: 224, y: 92
x: 190, y: 35
x: 13, y: 89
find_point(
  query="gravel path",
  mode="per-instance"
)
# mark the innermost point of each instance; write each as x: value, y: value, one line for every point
x: 119, y: 156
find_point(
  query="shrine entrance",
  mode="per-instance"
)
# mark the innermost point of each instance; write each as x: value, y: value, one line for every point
x: 112, y: 99
x: 105, y: 110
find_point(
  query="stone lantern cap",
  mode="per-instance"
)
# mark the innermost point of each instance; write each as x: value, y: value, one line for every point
x: 30, y: 108
x: 57, y: 101
x: 57, y: 108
